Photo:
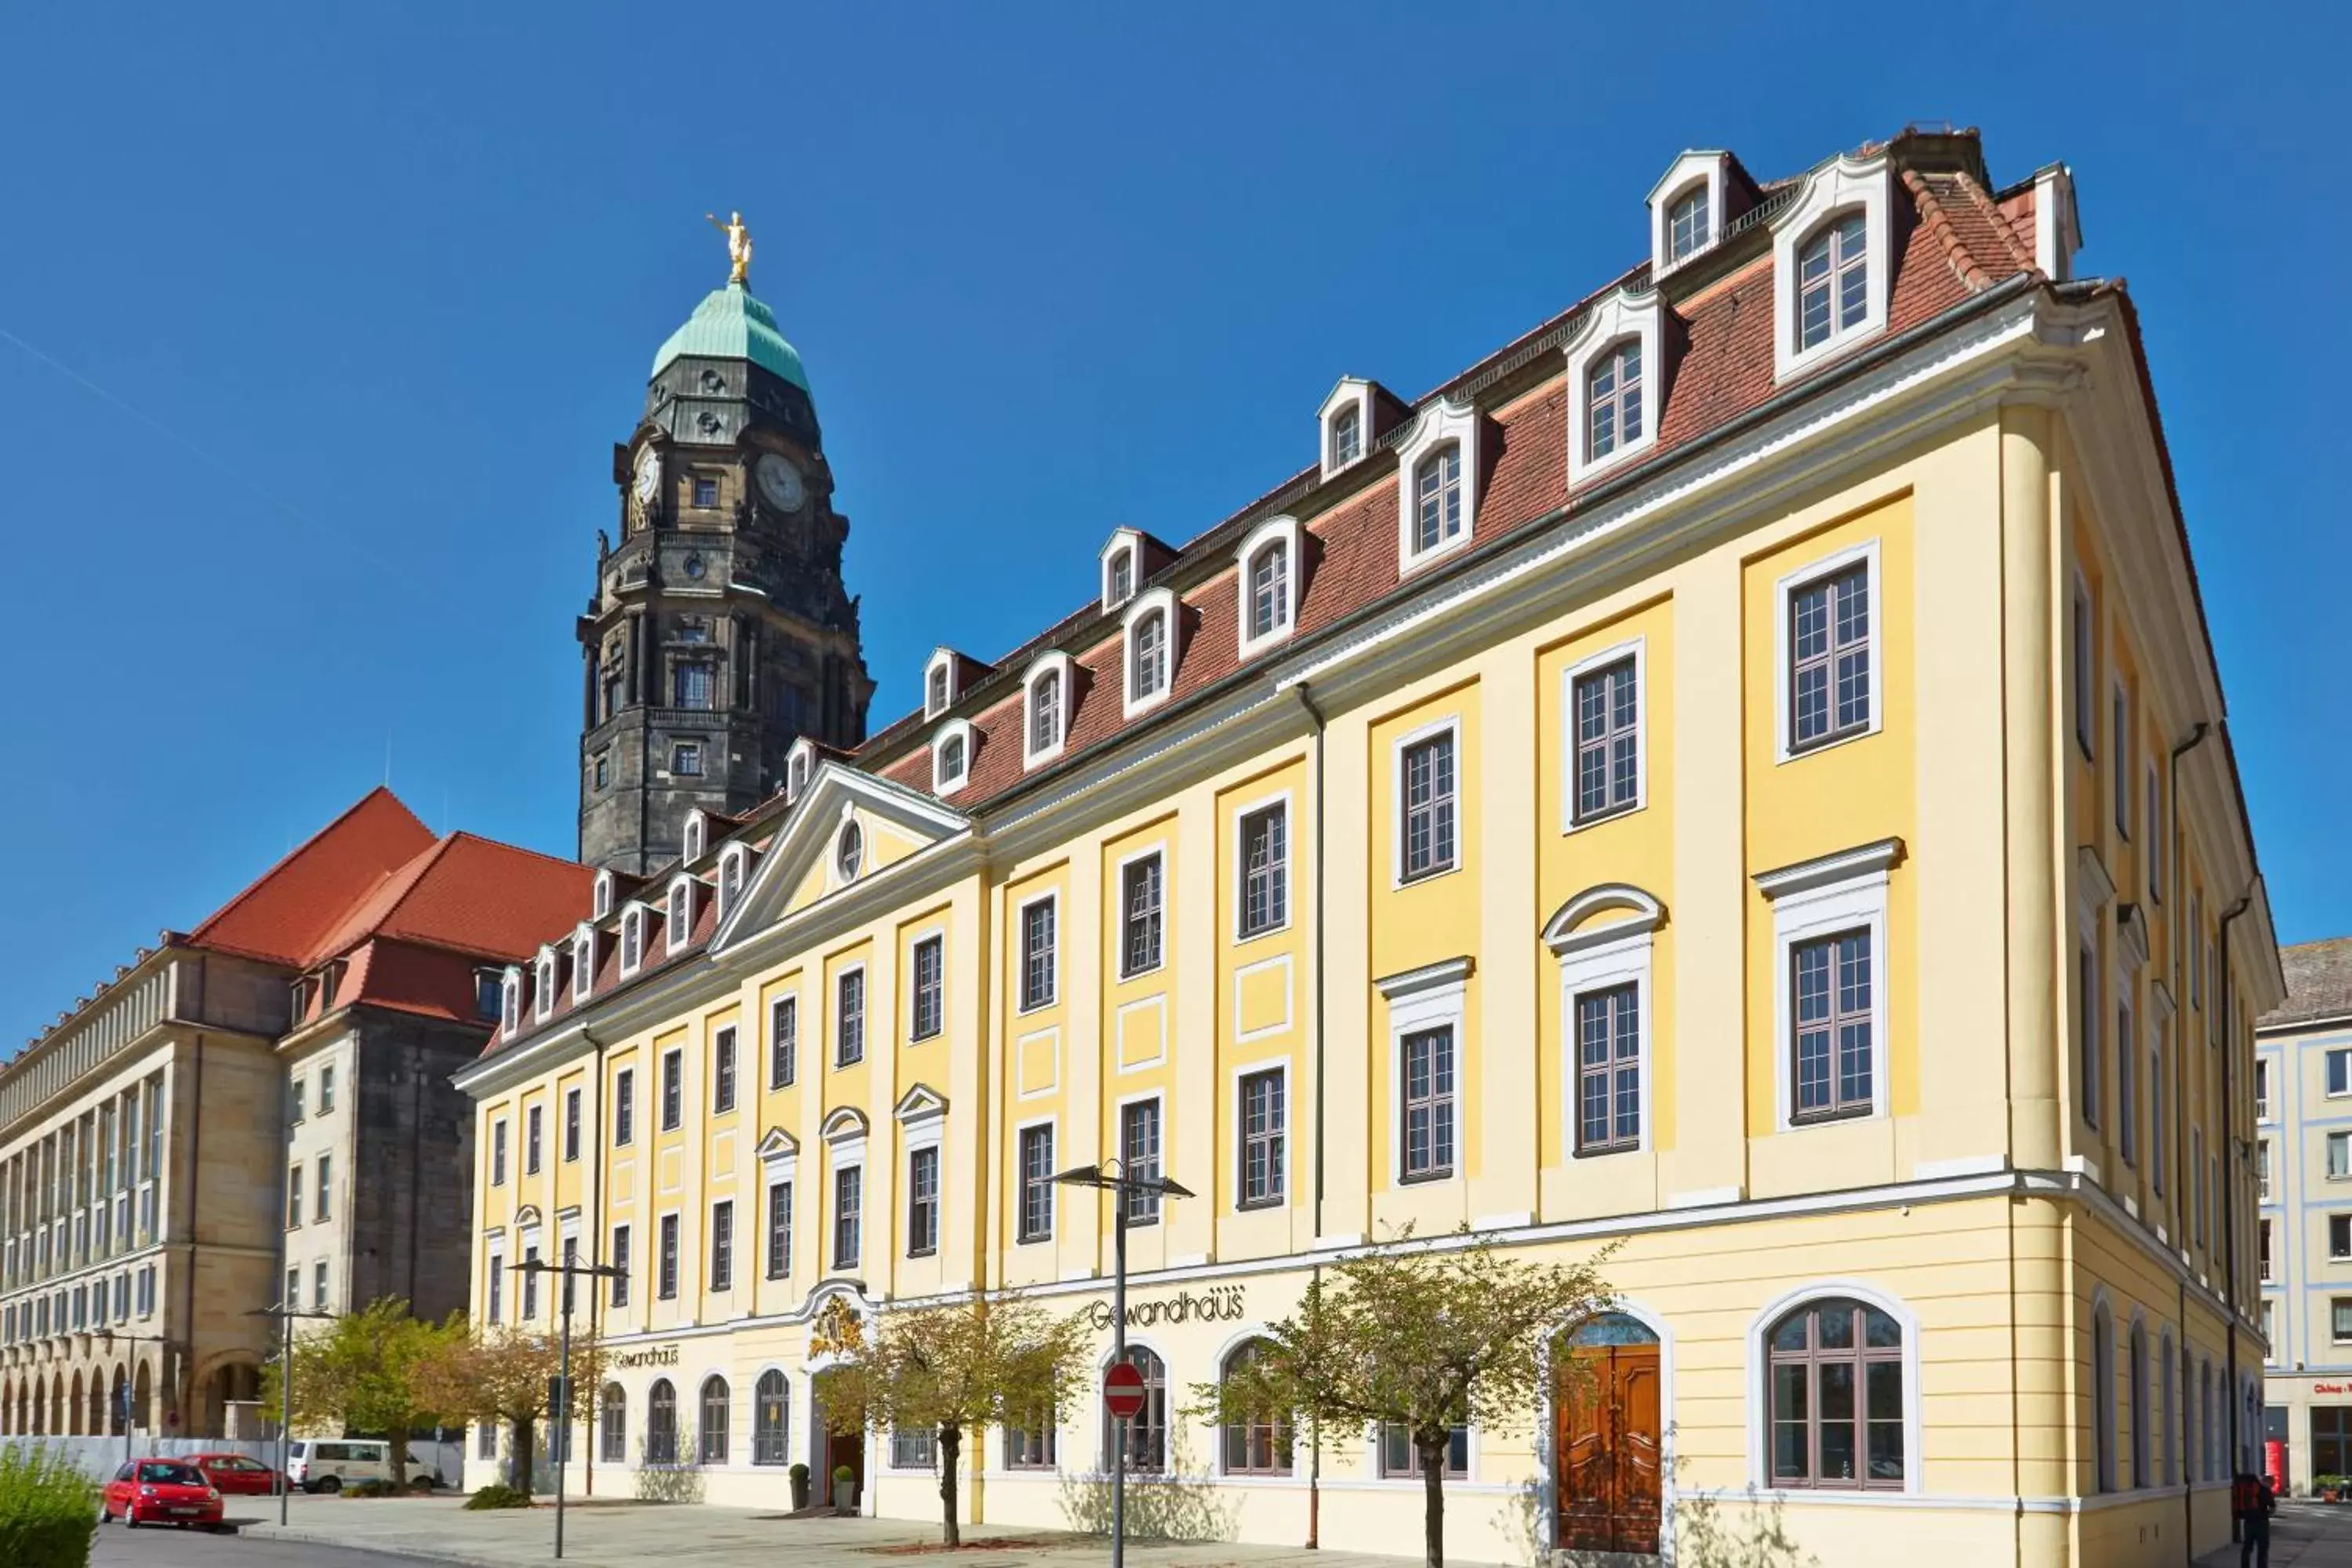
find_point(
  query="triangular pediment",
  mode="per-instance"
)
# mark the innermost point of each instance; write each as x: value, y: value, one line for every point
x: 805, y: 864
x: 778, y: 1144
x: 921, y: 1103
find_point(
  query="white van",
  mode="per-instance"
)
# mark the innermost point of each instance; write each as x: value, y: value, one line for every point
x: 331, y: 1464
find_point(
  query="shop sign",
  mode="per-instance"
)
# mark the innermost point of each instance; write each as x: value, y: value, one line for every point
x: 2331, y: 1388
x: 652, y: 1355
x: 1218, y: 1304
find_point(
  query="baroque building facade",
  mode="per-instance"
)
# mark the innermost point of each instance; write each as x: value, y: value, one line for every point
x: 1739, y: 772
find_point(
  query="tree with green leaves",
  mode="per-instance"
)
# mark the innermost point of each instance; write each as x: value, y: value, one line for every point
x: 1425, y: 1335
x: 994, y: 1358
x: 360, y: 1373
x: 505, y: 1375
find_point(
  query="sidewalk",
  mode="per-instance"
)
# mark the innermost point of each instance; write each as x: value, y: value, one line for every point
x: 2303, y: 1535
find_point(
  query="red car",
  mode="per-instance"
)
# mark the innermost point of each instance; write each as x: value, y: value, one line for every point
x: 160, y: 1492
x: 233, y: 1474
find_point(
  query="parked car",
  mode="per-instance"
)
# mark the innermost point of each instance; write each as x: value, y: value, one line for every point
x: 237, y: 1476
x: 331, y: 1464
x: 160, y: 1492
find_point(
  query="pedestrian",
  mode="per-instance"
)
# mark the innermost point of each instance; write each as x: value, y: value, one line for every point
x: 2252, y: 1503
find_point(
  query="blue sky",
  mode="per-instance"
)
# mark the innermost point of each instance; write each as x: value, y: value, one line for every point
x: 321, y: 324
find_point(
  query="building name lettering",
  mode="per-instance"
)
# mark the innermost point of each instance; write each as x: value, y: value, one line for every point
x: 1218, y: 1303
x: 652, y: 1355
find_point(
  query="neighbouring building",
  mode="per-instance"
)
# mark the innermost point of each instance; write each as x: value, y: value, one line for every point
x: 1741, y: 771
x: 254, y: 1113
x: 2303, y: 1159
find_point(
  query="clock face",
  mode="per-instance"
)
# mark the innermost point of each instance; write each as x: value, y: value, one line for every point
x: 648, y: 475
x: 781, y: 482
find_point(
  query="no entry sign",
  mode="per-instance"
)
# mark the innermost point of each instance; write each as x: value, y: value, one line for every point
x: 1123, y: 1391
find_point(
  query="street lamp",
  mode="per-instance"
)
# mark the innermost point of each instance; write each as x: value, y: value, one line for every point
x: 110, y: 1336
x: 570, y: 1266
x: 1113, y: 1177
x: 285, y: 1313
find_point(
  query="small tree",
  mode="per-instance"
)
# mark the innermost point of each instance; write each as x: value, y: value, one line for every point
x: 994, y: 1360
x: 1423, y: 1335
x: 504, y: 1374
x: 361, y: 1375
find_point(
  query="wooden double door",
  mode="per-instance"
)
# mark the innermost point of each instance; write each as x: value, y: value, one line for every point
x: 1606, y: 1438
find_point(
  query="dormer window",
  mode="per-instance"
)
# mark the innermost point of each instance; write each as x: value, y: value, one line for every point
x: 543, y: 980
x: 849, y: 850
x: 1150, y: 644
x: 695, y: 830
x: 1690, y: 204
x: 1437, y: 500
x: 1830, y: 263
x: 1688, y: 226
x: 939, y: 682
x: 633, y: 939
x: 1615, y: 381
x: 1614, y: 392
x: 950, y: 757
x: 1439, y: 464
x: 796, y: 769
x: 1346, y: 418
x: 1122, y: 567
x: 511, y: 1001
x: 1346, y: 437
x: 584, y: 963
x: 677, y: 919
x: 1122, y: 576
x: 1045, y: 709
x: 731, y: 863
x: 1269, y: 582
x: 604, y: 896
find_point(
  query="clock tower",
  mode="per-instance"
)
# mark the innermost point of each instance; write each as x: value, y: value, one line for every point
x: 720, y: 631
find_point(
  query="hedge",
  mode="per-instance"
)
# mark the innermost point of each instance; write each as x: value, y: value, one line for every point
x: 49, y: 1510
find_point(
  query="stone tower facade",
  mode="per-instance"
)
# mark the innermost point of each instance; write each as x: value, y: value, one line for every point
x: 720, y: 631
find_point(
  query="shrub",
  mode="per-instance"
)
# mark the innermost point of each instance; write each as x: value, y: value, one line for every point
x: 498, y: 1495
x: 49, y: 1510
x: 371, y: 1489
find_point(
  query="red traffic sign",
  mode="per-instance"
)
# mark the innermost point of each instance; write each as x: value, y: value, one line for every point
x: 1123, y: 1391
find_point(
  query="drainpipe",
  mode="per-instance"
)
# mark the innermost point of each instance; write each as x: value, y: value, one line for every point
x: 2230, y: 1208
x: 2186, y: 1180
x: 595, y: 1221
x: 1315, y: 1448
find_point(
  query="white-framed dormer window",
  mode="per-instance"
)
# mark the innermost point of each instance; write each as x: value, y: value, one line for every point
x: 939, y: 682
x: 734, y: 861
x: 1828, y: 642
x: 677, y: 915
x: 1268, y: 582
x: 1437, y: 470
x: 950, y: 757
x: 1831, y: 263
x: 1686, y: 209
x: 1148, y: 659
x: 1829, y: 1005
x: 584, y: 961
x: 1044, y: 708
x: 1345, y: 422
x: 1616, y: 378
x: 697, y: 830
x: 510, y: 1000
x: 1121, y: 561
x: 633, y: 937
x: 603, y: 904
x: 799, y: 764
x: 542, y: 984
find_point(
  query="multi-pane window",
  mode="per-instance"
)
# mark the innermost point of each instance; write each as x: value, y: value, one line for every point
x: 783, y: 1040
x: 928, y: 1014
x: 922, y: 1202
x: 713, y: 1447
x: 1123, y: 577
x: 1038, y: 954
x: 2155, y: 841
x: 1828, y: 663
x: 2331, y: 1439
x: 1265, y: 871
x: 849, y: 1018
x: 2339, y: 1236
x: 1428, y: 788
x: 1264, y: 1118
x: 326, y: 1187
x: 529, y: 1283
x: 705, y: 491
x: 935, y: 690
x: 620, y: 1296
x: 913, y: 1449
x: 1399, y: 1460
x: 692, y: 683
x: 1045, y: 711
x: 625, y: 1107
x: 769, y: 1406
x: 2127, y: 1080
x: 1147, y: 1433
x: 722, y: 1071
x: 318, y: 1291
x: 2339, y: 1156
x: 848, y: 1211
x: 1036, y: 1183
x: 497, y: 1153
x: 1346, y: 437
x: 293, y: 1197
x: 1833, y: 281
x: 2261, y: 1170
x: 530, y: 1140
x: 1140, y: 912
x: 613, y: 1425
x: 1608, y: 1069
x: 633, y: 939
x: 661, y: 1422
x: 780, y: 1230
x: 666, y: 1278
x: 1269, y: 590
x: 1437, y: 492
x: 951, y: 765
x: 1259, y: 1444
x: 1147, y: 657
x: 2095, y: 1074
x: 1688, y: 224
x: 1139, y: 1153
x: 1836, y: 1371
x: 1608, y: 739
x: 685, y: 759
x: 1613, y: 399
x: 1030, y: 1446
x: 1831, y: 1030
x: 494, y: 1289
x: 571, y: 1125
x: 2339, y: 1064
x: 1428, y: 1103
x: 326, y: 1089
x: 673, y: 1070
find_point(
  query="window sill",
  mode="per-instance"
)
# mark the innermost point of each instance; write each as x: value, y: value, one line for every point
x: 1413, y: 561
x: 1583, y: 820
x: 1028, y: 1007
x: 1832, y: 741
x: 922, y: 1252
x: 1424, y: 1178
x: 1832, y: 1117
x: 929, y: 1034
x: 840, y: 1063
x: 1242, y: 939
x: 1416, y: 879
x: 1606, y: 1150
x: 1033, y: 1240
x: 1257, y: 1205
x: 1152, y: 968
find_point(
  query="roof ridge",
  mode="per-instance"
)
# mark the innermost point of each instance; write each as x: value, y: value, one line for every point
x: 254, y: 886
x: 489, y: 842
x: 1939, y: 223
x: 2021, y: 251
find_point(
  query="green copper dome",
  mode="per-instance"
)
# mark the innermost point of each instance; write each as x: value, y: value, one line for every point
x: 731, y: 323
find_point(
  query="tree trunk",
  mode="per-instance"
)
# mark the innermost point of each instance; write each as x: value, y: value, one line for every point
x: 1433, y: 1491
x: 519, y: 1460
x: 398, y: 1455
x: 1315, y: 1489
x: 951, y: 1444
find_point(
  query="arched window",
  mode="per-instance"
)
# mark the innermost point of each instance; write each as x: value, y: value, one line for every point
x: 1147, y: 1434
x: 713, y: 1448
x: 1122, y: 579
x: 583, y: 964
x: 949, y: 770
x: 543, y: 985
x: 613, y: 1423
x: 1261, y: 1445
x: 661, y: 1424
x: 1045, y: 711
x: 510, y: 1001
x: 679, y: 923
x: 1147, y: 657
x: 1437, y: 494
x: 1833, y: 281
x: 1687, y: 223
x: 633, y: 939
x: 2167, y: 1413
x: 1269, y: 590
x: 604, y: 894
x: 1346, y: 437
x: 935, y: 690
x: 2136, y: 1382
x: 730, y: 878
x: 770, y: 1406
x: 849, y: 850
x: 693, y: 838
x: 1613, y: 398
x: 2103, y: 1396
x: 1837, y: 1397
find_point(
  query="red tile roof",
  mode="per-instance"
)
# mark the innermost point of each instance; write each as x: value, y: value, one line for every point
x: 470, y: 894
x: 290, y: 909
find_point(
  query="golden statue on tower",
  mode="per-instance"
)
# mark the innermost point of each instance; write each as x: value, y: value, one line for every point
x: 739, y: 245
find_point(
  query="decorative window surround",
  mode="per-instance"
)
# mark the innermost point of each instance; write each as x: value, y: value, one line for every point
x: 1286, y: 531
x: 1127, y: 541
x: 1057, y: 664
x: 1636, y: 650
x: 1840, y: 186
x: 1695, y: 168
x: 1565, y: 934
x: 1162, y: 603
x: 1623, y: 315
x: 542, y: 983
x: 1451, y: 727
x: 846, y: 861
x: 1429, y: 997
x: 583, y: 961
x: 510, y: 999
x: 734, y: 872
x: 799, y: 763
x: 1784, y: 717
x: 603, y: 905
x: 1437, y: 425
x: 1757, y: 1387
x: 779, y: 1153
x: 944, y: 781
x: 1601, y: 959
x: 922, y: 1117
x: 1816, y: 898
x: 940, y: 691
x: 1352, y: 393
x: 697, y: 832
x: 677, y: 915
x: 633, y: 937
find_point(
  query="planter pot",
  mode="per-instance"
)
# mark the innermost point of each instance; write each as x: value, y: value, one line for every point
x: 800, y: 1493
x: 844, y: 1496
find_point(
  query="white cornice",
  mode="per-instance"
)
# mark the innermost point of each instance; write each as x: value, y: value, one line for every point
x: 1827, y: 870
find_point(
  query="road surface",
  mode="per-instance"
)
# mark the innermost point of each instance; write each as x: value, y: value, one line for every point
x: 161, y: 1548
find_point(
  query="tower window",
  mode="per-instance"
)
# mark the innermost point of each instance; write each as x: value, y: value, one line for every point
x: 706, y: 493
x: 692, y: 684
x: 686, y: 758
x: 603, y: 769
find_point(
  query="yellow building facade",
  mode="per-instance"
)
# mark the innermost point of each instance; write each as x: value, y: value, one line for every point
x: 1760, y: 798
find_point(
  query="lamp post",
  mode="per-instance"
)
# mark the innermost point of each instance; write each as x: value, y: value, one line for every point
x: 285, y: 1313
x: 110, y: 1336
x: 1112, y: 1176
x: 568, y: 1268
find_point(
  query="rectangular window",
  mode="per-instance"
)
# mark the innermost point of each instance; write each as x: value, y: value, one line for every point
x: 2086, y: 975
x: 1138, y: 1152
x: 293, y: 1197
x: 922, y: 1203
x: 319, y: 1286
x: 625, y: 1107
x: 705, y: 491
x: 1030, y: 1448
x: 685, y: 759
x: 1037, y: 971
x: 1829, y: 657
x: 1265, y: 870
x: 722, y: 1072
x: 1429, y: 1103
x: 621, y: 1266
x: 2340, y: 1079
x: 529, y: 1284
x: 326, y: 1188
x: 928, y: 1010
x: 301, y: 1097
x: 2263, y: 1250
x: 1427, y: 792
x: 783, y: 1041
x: 530, y: 1128
x: 2085, y: 675
x: 2331, y: 1440
x: 780, y: 1230
x: 2126, y: 1082
x: 673, y: 1070
x: 665, y: 1281
x: 2197, y: 1183
x: 2155, y: 840
x: 848, y: 1206
x: 2339, y: 1319
x: 849, y: 1018
x: 1832, y: 1027
x: 1036, y: 1183
x: 499, y: 1154
x: 2339, y: 1236
x: 326, y: 1089
x: 1608, y: 740
x: 693, y: 686
x: 2157, y: 1137
x: 722, y: 1245
x: 913, y: 1448
x: 571, y: 1125
x: 1140, y: 913
x: 1608, y: 1069
x: 494, y: 1289
x: 2120, y: 766
x: 1399, y: 1460
x: 1264, y: 1117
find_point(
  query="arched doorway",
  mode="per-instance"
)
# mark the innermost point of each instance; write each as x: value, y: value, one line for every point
x: 142, y: 1398
x: 118, y: 1395
x: 1607, y: 1455
x: 72, y: 1425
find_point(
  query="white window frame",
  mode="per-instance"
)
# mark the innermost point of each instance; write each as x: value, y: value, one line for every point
x: 584, y: 961
x: 1623, y: 315
x: 1241, y: 867
x: 1451, y: 727
x: 1695, y: 166
x: 1638, y: 649
x: 1056, y: 663
x: 1151, y: 600
x: 1052, y: 1123
x: 1352, y: 393
x: 1756, y: 1387
x: 799, y: 766
x: 633, y: 935
x: 1285, y: 530
x: 1841, y: 185
x: 1125, y: 542
x: 844, y: 1151
x: 1156, y: 849
x: 1601, y: 959
x: 1783, y: 714
x: 839, y: 874
x: 942, y: 656
x: 510, y: 999
x: 695, y: 838
x: 938, y: 933
x: 734, y: 861
x: 677, y: 914
x: 2153, y: 805
x: 1234, y: 1077
x: 1437, y: 425
x: 1021, y: 1002
x: 1817, y: 898
x: 865, y: 1017
x: 542, y: 984
x: 1424, y: 998
x: 941, y: 783
x: 2126, y: 726
x: 925, y: 1127
x: 603, y: 904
